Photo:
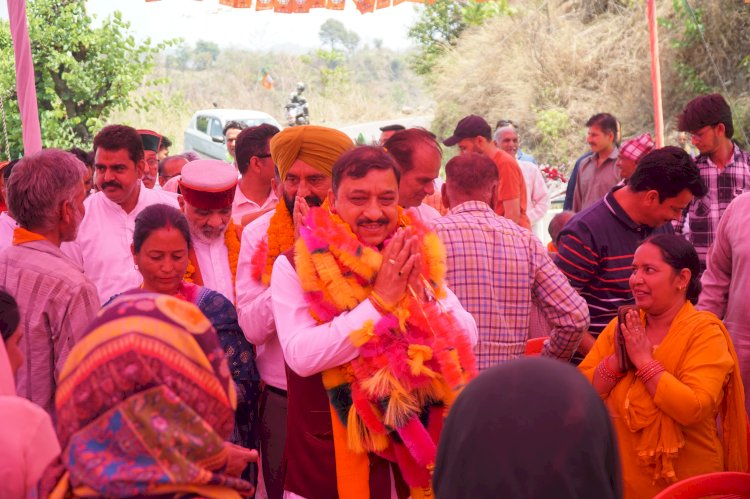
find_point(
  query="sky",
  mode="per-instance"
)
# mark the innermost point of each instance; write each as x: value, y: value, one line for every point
x: 246, y: 28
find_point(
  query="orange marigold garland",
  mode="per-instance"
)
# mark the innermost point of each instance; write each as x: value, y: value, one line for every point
x: 412, y: 362
x: 280, y: 238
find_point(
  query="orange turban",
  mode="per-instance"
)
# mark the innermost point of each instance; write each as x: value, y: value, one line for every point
x: 318, y: 146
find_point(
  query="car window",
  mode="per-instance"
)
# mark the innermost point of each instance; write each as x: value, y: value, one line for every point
x: 257, y: 121
x: 201, y: 123
x: 216, y: 129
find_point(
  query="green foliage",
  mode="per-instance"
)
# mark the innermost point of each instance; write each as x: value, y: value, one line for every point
x: 83, y: 73
x: 442, y: 22
x: 334, y: 34
x: 553, y: 125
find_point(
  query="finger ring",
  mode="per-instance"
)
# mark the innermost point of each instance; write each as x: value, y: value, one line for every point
x: 392, y: 261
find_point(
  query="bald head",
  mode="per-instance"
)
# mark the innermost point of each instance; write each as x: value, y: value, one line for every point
x: 470, y: 177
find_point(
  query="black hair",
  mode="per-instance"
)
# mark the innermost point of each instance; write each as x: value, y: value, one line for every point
x: 234, y: 124
x: 471, y: 173
x: 10, y: 316
x: 680, y: 254
x: 668, y: 171
x: 165, y: 143
x: 87, y: 158
x: 155, y: 217
x: 9, y: 168
x: 706, y: 110
x: 392, y: 128
x: 116, y: 137
x: 605, y: 121
x: 357, y: 162
x: 251, y: 142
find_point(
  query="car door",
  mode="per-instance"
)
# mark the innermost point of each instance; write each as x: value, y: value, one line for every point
x: 197, y: 136
x: 218, y: 150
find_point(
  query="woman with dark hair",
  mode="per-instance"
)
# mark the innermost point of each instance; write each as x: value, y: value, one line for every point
x: 667, y: 374
x: 161, y: 241
x: 27, y: 439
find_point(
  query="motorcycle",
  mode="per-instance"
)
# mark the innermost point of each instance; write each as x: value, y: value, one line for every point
x: 296, y: 111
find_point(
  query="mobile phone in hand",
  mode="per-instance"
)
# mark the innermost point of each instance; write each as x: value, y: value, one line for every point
x: 622, y: 313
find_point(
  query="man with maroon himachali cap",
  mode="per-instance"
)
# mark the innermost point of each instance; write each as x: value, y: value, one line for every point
x: 151, y: 145
x: 102, y: 247
x: 208, y: 188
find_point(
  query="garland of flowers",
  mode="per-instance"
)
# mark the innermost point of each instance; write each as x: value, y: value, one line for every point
x: 280, y: 238
x: 232, y: 242
x: 414, y: 360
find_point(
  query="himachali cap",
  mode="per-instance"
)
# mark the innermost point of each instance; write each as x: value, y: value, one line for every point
x: 469, y: 127
x: 208, y: 184
x: 151, y: 140
x: 637, y: 147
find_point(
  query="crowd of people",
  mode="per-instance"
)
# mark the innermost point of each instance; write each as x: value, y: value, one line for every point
x: 319, y: 320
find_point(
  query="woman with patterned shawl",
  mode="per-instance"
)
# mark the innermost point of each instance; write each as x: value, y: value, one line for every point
x: 161, y: 241
x: 680, y: 378
x: 144, y: 405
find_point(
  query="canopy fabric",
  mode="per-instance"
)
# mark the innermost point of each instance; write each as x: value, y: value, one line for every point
x: 304, y: 6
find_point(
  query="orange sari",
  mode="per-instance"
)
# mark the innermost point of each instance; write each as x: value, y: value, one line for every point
x: 673, y: 435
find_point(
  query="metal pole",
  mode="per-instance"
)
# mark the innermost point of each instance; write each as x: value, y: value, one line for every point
x: 655, y: 74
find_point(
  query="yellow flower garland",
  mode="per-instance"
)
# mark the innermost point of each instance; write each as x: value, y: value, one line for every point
x: 280, y: 238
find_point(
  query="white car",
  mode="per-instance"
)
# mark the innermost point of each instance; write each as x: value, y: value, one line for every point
x: 205, y: 133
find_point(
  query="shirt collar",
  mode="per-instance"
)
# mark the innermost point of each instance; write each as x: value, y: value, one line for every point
x: 619, y: 213
x: 472, y: 205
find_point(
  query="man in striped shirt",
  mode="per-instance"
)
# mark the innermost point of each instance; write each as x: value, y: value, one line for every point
x: 57, y: 302
x: 596, y: 247
x: 498, y: 269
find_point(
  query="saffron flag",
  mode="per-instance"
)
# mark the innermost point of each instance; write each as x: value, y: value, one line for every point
x: 237, y: 4
x: 265, y: 79
x: 263, y: 4
x: 335, y: 4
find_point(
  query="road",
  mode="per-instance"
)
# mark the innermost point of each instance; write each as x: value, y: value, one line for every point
x: 371, y: 130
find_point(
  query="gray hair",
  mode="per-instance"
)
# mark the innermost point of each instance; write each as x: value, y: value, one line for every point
x: 40, y: 183
x: 502, y: 129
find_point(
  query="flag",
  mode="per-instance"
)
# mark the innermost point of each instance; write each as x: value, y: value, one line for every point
x: 265, y: 79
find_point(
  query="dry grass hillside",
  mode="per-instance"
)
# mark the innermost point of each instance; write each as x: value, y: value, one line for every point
x: 370, y: 84
x: 551, y: 65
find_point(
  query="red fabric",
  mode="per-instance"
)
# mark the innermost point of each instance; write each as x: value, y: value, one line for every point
x: 207, y: 200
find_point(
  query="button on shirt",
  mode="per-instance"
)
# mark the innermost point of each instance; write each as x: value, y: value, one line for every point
x: 213, y: 260
x: 242, y: 206
x: 497, y: 270
x: 102, y: 247
x: 700, y: 219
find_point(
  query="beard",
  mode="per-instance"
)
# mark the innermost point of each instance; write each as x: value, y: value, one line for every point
x: 312, y: 200
x: 204, y: 233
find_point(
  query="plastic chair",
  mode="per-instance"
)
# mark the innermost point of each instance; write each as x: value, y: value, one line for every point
x: 534, y: 346
x: 725, y: 484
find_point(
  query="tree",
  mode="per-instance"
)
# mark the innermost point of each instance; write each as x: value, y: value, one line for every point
x: 82, y: 73
x: 442, y: 22
x: 334, y: 34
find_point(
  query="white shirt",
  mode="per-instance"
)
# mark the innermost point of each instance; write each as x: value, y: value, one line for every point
x: 7, y: 226
x: 309, y: 347
x: 424, y: 213
x: 102, y: 248
x: 254, y: 307
x: 242, y: 206
x: 213, y: 260
x: 537, y: 196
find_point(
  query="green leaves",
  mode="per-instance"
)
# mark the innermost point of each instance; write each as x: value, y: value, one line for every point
x: 83, y: 72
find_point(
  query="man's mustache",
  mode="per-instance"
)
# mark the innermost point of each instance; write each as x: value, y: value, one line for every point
x: 111, y: 184
x: 381, y: 221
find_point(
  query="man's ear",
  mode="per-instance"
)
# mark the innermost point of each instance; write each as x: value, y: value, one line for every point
x: 254, y: 164
x: 331, y: 201
x: 444, y: 196
x: 140, y: 168
x: 493, y: 195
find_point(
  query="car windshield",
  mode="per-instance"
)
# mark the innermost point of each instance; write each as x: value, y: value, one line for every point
x: 255, y: 121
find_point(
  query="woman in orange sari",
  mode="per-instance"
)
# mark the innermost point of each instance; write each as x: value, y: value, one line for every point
x: 683, y: 374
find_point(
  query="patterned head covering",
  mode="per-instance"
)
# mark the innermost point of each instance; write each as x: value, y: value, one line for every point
x: 318, y: 146
x: 637, y: 147
x: 145, y: 401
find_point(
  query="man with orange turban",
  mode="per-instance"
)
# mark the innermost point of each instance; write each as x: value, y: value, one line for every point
x: 304, y: 158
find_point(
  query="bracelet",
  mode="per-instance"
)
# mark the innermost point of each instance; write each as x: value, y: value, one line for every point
x: 617, y: 374
x: 649, y: 370
x: 606, y: 373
